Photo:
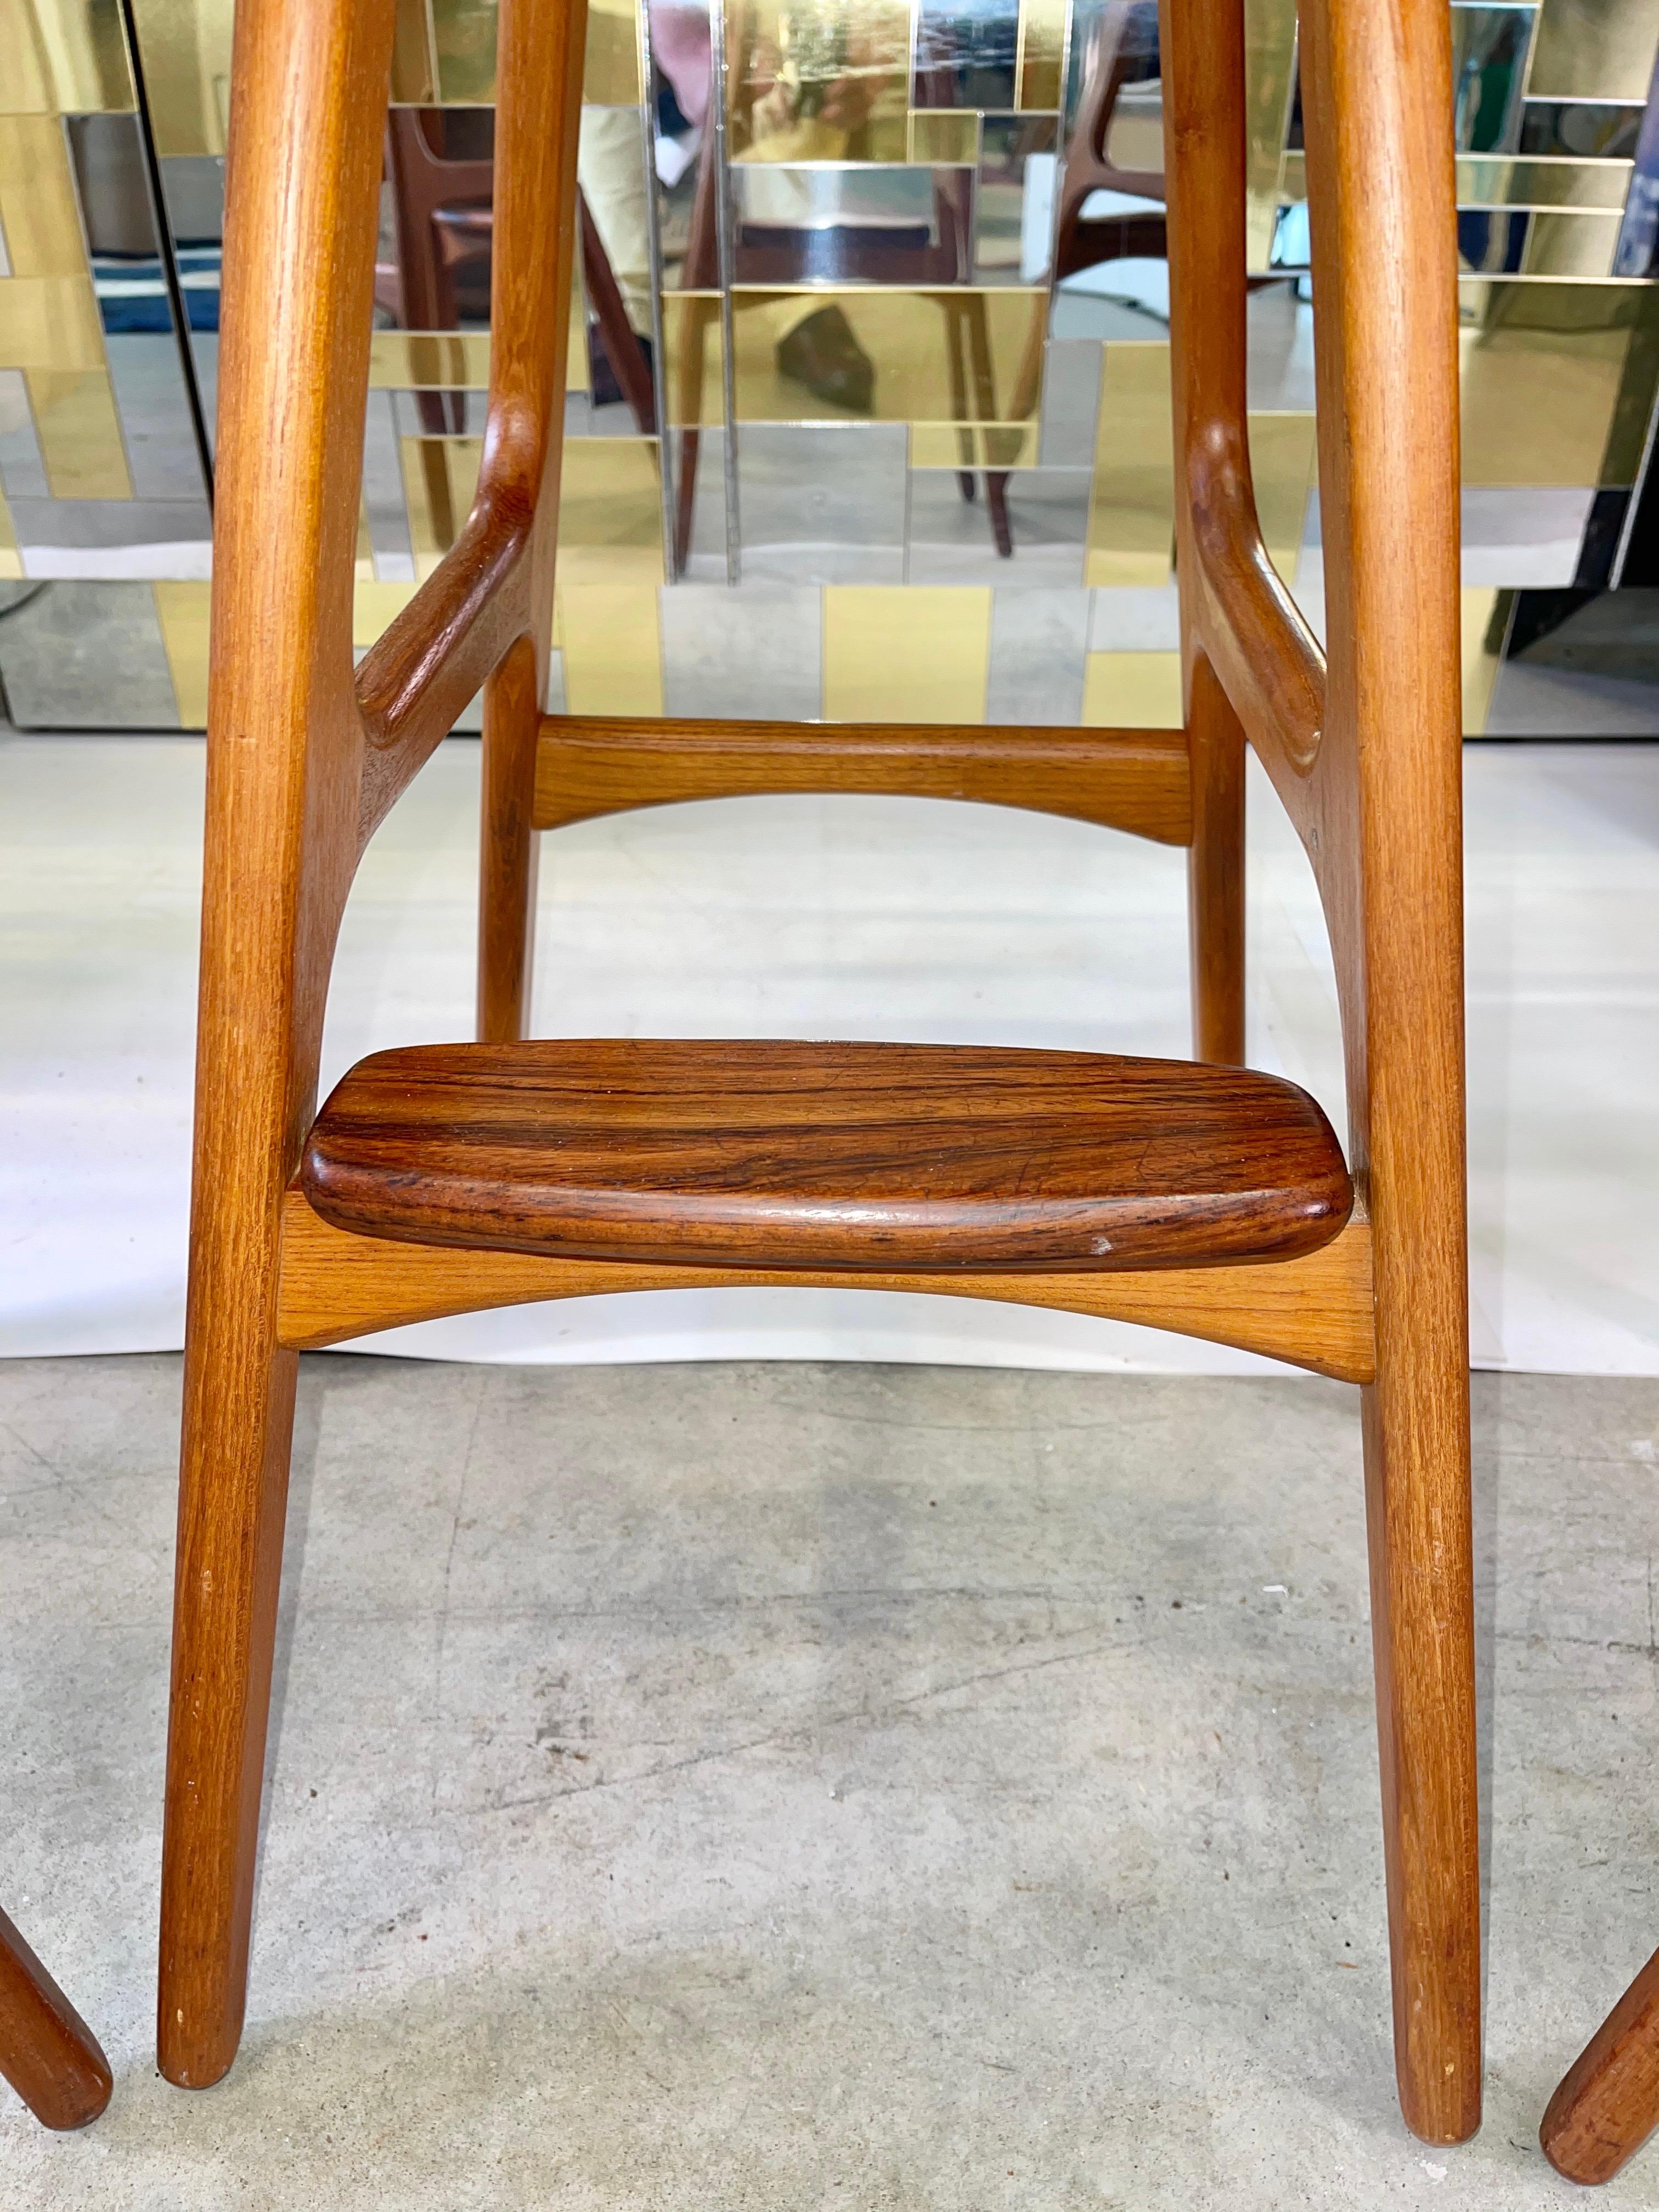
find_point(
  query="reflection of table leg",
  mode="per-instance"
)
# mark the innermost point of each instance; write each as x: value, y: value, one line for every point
x: 1608, y: 2105
x: 698, y: 317
x: 47, y: 2053
x: 985, y: 409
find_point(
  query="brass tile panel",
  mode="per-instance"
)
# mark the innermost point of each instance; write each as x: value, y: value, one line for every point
x: 464, y: 40
x: 610, y: 513
x: 1132, y: 507
x: 611, y: 75
x: 975, y: 444
x: 823, y: 81
x: 11, y: 561
x: 1542, y: 368
x: 428, y: 360
x: 1132, y: 691
x: 1282, y: 468
x: 1593, y: 50
x: 182, y: 610
x: 1570, y: 244
x: 374, y: 606
x: 906, y: 652
x: 1269, y: 82
x: 943, y: 135
x: 184, y: 46
x: 695, y: 353
x: 414, y: 55
x: 49, y: 322
x: 1484, y: 615
x: 610, y: 637
x: 79, y: 433
x: 944, y: 355
x: 63, y: 57
x: 441, y: 476
x: 1041, y: 53
x: 39, y: 211
x: 1489, y: 180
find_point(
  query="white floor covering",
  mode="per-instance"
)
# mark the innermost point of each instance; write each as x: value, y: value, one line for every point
x: 843, y: 917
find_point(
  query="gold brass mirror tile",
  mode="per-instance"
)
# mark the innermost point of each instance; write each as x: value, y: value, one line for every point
x: 611, y: 75
x: 906, y: 652
x: 1282, y: 458
x: 414, y: 55
x: 1269, y: 87
x: 611, y: 512
x: 1132, y: 504
x: 1489, y: 180
x: 1484, y: 618
x: 1040, y: 56
x: 1538, y: 402
x: 943, y: 136
x: 464, y: 41
x: 694, y: 352
x: 975, y: 444
x: 1593, y: 50
x: 1132, y: 691
x: 609, y: 637
x: 929, y: 349
x: 182, y: 610
x: 39, y: 211
x: 372, y: 606
x: 63, y: 57
x: 1569, y: 244
x: 184, y: 46
x: 823, y: 81
x: 441, y: 478
x: 428, y: 360
x: 11, y: 561
x: 50, y: 323
x: 79, y: 432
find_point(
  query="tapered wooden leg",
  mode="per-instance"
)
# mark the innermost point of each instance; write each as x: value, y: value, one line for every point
x: 1215, y: 871
x: 239, y: 1426
x: 506, y: 860
x: 1607, y: 2104
x: 1417, y: 1502
x: 47, y: 2053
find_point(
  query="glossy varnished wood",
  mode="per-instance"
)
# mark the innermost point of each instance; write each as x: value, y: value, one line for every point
x: 1608, y: 2103
x: 1314, y: 1312
x: 837, y: 1156
x: 1134, y: 780
x: 47, y: 2053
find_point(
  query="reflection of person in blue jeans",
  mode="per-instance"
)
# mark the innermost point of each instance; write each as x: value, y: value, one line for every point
x: 793, y: 120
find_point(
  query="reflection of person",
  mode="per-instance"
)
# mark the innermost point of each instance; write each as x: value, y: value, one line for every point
x: 798, y: 113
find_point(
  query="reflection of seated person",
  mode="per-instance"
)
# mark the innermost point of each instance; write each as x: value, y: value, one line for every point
x: 792, y: 117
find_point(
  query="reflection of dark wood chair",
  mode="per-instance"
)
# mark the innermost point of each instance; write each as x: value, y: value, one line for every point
x: 442, y: 197
x: 1123, y: 50
x: 47, y: 2053
x: 1210, y: 1199
x: 922, y: 255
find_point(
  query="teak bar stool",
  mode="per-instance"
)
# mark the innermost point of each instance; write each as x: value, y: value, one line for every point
x: 1206, y: 1199
x: 1608, y: 2103
x: 47, y: 2053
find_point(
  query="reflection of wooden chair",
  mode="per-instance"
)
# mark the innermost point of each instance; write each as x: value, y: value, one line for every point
x: 1124, y: 44
x: 47, y: 2053
x: 1608, y: 2103
x: 1208, y: 1200
x: 443, y: 212
x: 921, y: 256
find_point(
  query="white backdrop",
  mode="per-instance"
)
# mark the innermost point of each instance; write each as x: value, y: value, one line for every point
x: 843, y: 917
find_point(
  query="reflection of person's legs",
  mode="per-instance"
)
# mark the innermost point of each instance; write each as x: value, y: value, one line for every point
x: 610, y: 169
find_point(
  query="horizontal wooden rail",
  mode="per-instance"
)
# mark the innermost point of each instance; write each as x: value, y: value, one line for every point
x: 1257, y: 642
x: 1133, y: 780
x: 1314, y: 1312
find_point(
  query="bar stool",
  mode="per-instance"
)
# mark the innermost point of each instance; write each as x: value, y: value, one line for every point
x: 1203, y: 1197
x: 47, y: 2053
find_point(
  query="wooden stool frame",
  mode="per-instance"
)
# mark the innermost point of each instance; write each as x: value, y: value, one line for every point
x: 47, y: 2053
x: 306, y: 758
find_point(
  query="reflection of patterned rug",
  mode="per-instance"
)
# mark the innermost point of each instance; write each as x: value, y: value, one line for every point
x: 133, y: 292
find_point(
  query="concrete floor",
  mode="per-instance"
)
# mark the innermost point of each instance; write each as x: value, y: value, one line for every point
x: 785, y: 1786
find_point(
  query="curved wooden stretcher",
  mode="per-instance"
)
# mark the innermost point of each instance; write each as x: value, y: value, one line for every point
x: 1204, y: 1199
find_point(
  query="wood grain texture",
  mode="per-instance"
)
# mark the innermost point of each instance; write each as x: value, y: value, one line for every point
x: 1314, y: 1312
x: 844, y: 1155
x: 1134, y: 780
x: 1606, y: 2105
x: 47, y: 2053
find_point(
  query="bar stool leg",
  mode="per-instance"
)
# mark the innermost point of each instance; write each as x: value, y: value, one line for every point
x: 1607, y: 2104
x: 47, y: 2053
